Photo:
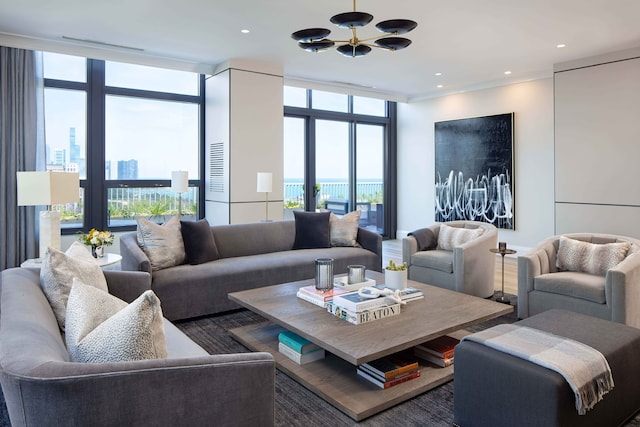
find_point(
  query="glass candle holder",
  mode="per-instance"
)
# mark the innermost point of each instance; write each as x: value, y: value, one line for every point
x: 355, y: 274
x: 324, y: 274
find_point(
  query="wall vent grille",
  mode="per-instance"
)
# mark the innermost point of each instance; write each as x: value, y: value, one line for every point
x: 216, y: 167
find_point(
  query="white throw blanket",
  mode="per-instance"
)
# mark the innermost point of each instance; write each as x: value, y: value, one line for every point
x: 585, y: 368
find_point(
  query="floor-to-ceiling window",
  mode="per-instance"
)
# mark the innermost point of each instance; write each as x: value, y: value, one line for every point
x: 340, y: 155
x: 124, y: 128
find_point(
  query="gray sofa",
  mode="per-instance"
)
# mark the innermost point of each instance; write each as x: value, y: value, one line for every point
x: 42, y: 387
x: 614, y: 296
x: 251, y: 255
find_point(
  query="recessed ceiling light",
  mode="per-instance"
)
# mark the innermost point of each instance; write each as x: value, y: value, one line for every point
x: 245, y: 31
x: 438, y: 74
x: 561, y: 45
x: 439, y: 86
x: 507, y: 72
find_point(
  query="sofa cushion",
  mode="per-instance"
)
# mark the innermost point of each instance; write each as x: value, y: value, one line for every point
x: 436, y: 259
x: 592, y: 258
x: 102, y: 328
x: 199, y: 245
x: 58, y: 271
x: 451, y: 237
x: 344, y: 231
x: 312, y: 230
x: 162, y: 244
x: 586, y: 286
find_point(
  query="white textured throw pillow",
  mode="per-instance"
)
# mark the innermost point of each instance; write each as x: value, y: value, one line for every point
x: 162, y: 244
x: 58, y: 271
x: 451, y: 237
x: 592, y: 258
x: 344, y: 231
x: 102, y: 328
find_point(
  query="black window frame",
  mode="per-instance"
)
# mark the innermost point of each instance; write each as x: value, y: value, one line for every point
x: 96, y: 186
x: 389, y: 121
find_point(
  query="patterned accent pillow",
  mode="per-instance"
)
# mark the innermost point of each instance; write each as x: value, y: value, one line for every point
x: 344, y: 231
x: 58, y: 271
x: 102, y: 328
x: 162, y: 244
x: 592, y: 258
x: 451, y: 237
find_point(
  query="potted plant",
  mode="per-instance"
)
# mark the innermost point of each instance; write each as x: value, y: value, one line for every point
x: 395, y: 275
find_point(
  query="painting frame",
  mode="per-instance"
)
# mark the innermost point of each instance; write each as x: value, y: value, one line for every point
x: 474, y: 162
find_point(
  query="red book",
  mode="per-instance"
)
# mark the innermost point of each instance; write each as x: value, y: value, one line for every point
x: 322, y: 295
x: 398, y: 380
x: 442, y: 347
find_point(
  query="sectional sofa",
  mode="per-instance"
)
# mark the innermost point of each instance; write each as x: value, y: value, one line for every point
x: 43, y: 387
x: 249, y: 256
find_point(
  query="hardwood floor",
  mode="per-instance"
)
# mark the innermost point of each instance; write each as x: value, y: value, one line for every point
x: 392, y: 250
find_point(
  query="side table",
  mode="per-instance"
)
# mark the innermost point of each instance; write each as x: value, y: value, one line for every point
x: 503, y: 252
x: 107, y: 259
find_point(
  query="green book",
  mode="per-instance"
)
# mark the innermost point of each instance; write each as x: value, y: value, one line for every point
x: 296, y: 342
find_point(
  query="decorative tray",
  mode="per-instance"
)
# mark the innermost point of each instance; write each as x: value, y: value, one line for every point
x: 342, y: 283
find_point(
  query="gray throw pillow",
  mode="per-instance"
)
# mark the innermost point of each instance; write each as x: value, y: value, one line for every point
x: 344, y: 231
x: 199, y: 245
x: 162, y: 244
x: 452, y: 237
x: 312, y: 230
x: 58, y: 271
x: 102, y: 328
x: 592, y: 258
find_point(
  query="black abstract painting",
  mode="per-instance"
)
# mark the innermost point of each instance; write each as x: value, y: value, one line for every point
x: 474, y: 170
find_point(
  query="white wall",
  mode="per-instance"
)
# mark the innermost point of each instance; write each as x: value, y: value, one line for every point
x: 532, y: 103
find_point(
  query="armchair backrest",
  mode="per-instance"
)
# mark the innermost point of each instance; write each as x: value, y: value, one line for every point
x: 489, y: 229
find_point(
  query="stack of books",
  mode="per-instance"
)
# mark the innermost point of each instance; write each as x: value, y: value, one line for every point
x: 364, y: 316
x: 439, y: 351
x: 356, y: 309
x: 299, y: 349
x: 391, y: 370
x: 319, y: 298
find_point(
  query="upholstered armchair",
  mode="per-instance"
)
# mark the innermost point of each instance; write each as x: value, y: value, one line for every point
x: 593, y: 274
x: 453, y: 255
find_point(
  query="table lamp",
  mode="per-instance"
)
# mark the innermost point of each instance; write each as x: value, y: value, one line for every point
x: 265, y: 185
x: 180, y: 184
x: 48, y: 188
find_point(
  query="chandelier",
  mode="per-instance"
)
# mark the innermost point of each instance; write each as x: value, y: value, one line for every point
x: 315, y: 39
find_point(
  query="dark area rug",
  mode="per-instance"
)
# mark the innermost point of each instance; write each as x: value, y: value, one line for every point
x: 297, y: 406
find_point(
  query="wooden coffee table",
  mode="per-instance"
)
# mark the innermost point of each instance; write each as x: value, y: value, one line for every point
x: 441, y: 312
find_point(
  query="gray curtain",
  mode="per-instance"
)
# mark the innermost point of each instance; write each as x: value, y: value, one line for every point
x: 21, y: 149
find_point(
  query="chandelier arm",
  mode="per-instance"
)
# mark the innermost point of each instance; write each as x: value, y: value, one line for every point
x: 329, y: 40
x: 378, y: 46
x: 378, y: 37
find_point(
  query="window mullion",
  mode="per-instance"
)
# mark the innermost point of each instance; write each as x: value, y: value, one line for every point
x: 95, y: 192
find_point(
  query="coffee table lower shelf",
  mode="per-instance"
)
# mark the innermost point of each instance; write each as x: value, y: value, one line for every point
x: 336, y: 380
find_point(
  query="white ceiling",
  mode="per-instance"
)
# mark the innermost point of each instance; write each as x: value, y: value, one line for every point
x: 471, y: 42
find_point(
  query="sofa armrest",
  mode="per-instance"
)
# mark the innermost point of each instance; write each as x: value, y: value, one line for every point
x: 225, y: 389
x: 409, y: 247
x: 474, y: 265
x: 534, y: 263
x: 372, y: 242
x: 133, y: 257
x: 127, y: 285
x: 622, y: 291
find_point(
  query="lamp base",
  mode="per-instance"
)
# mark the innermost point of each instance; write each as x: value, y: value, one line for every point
x: 49, y: 231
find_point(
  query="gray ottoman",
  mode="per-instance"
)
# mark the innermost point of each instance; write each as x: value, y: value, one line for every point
x: 494, y: 389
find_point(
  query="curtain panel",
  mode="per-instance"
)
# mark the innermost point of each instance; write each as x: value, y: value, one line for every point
x: 21, y: 149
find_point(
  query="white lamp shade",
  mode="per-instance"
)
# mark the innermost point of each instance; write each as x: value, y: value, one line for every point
x: 265, y: 182
x: 180, y: 181
x: 48, y: 188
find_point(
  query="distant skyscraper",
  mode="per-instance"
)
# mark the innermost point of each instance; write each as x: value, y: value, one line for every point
x: 59, y: 156
x: 128, y: 169
x: 74, y: 149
